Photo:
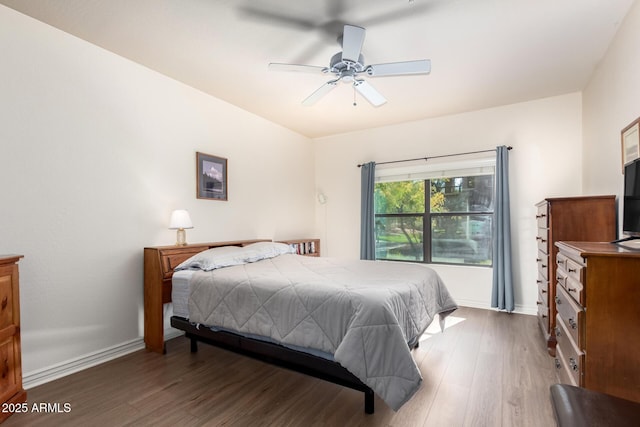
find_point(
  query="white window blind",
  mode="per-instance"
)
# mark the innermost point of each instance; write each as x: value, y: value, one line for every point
x: 475, y: 167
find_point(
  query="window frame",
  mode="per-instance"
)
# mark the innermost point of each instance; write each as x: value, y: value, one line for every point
x: 475, y: 167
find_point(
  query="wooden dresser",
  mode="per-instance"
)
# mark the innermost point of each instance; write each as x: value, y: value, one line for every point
x: 598, y: 320
x: 11, y: 391
x: 566, y: 218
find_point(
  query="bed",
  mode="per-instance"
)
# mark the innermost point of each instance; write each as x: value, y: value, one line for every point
x: 347, y: 321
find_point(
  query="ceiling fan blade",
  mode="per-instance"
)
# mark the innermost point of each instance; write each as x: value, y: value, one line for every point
x: 422, y: 66
x: 319, y: 93
x: 352, y: 41
x: 369, y: 93
x: 274, y: 66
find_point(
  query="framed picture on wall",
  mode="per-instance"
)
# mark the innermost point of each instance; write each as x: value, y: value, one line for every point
x: 211, y: 177
x: 630, y: 143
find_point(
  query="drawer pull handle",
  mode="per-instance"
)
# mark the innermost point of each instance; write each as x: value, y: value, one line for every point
x: 538, y: 281
x: 558, y: 334
x: 558, y: 300
x: 544, y: 316
x: 572, y: 323
x: 558, y: 365
x: 541, y: 216
x: 538, y: 260
x: 572, y: 270
x: 572, y: 289
x: 544, y: 265
x: 539, y: 302
x: 544, y: 291
x: 573, y: 364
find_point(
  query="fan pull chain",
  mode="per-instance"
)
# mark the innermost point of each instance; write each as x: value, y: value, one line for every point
x: 355, y: 104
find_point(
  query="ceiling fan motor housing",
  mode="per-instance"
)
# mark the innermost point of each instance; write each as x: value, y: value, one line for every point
x: 346, y: 70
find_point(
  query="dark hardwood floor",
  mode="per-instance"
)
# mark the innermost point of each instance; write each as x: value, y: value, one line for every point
x: 486, y: 369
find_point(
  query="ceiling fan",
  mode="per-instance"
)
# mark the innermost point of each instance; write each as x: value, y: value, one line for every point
x: 348, y: 66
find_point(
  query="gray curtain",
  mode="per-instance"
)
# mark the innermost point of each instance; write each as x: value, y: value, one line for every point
x: 502, y: 293
x: 367, y: 222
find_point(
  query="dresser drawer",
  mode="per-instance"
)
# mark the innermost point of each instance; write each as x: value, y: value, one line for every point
x: 543, y: 264
x: 543, y: 317
x: 562, y: 369
x: 573, y: 288
x: 561, y: 261
x: 9, y: 380
x: 543, y: 240
x: 6, y: 301
x: 571, y: 357
x: 542, y: 216
x: 575, y: 270
x: 571, y: 315
x: 543, y: 287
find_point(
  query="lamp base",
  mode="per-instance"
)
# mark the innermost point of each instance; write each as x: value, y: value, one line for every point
x: 181, y: 237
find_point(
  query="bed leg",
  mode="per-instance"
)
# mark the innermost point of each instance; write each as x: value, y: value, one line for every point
x: 194, y: 345
x: 368, y: 402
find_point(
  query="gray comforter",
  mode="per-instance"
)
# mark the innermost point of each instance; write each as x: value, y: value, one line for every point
x: 364, y: 313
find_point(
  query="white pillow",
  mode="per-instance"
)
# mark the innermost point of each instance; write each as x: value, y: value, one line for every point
x: 211, y: 259
x: 263, y: 250
x: 227, y: 256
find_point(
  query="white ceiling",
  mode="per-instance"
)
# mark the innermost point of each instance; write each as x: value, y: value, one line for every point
x: 484, y: 53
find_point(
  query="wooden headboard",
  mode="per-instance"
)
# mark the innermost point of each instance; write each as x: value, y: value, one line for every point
x: 163, y: 259
x: 159, y: 262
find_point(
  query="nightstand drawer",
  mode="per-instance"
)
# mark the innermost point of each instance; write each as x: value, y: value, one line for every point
x: 571, y: 315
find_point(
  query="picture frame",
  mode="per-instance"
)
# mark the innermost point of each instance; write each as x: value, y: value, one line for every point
x: 211, y: 177
x: 630, y: 140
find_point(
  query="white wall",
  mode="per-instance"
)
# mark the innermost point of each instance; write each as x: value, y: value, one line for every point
x: 611, y: 101
x: 545, y: 162
x: 95, y: 153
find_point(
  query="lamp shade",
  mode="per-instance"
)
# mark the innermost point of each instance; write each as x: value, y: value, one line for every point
x: 180, y: 219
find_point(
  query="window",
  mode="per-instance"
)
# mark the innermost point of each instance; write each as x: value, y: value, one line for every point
x: 443, y: 219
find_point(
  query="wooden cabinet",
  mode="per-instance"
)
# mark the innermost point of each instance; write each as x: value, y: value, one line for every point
x: 308, y: 247
x: 598, y: 320
x: 568, y: 218
x: 11, y: 391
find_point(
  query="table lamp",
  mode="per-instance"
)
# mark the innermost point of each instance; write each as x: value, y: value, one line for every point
x: 180, y: 220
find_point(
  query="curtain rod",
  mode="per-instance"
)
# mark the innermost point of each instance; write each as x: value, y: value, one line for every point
x: 437, y: 157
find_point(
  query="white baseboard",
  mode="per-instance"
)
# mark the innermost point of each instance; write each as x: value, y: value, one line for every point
x: 59, y: 370
x: 518, y: 308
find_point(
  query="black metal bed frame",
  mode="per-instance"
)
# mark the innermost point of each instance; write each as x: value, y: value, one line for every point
x: 277, y: 355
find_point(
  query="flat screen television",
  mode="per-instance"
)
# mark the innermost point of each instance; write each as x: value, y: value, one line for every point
x: 631, y: 200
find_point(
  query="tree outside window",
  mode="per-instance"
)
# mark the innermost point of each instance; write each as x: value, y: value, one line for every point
x: 454, y: 227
